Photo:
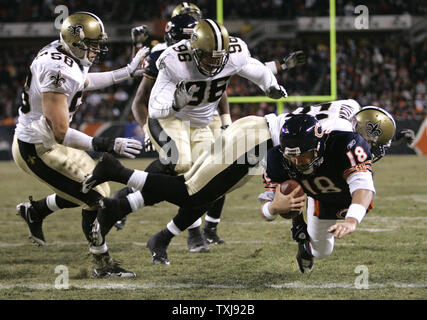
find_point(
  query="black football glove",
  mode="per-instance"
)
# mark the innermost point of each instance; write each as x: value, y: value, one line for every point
x: 404, y: 135
x: 120, y: 146
x: 276, y: 92
x: 294, y: 59
x: 139, y: 35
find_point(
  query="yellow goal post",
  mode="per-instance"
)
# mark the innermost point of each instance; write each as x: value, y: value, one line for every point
x: 280, y: 102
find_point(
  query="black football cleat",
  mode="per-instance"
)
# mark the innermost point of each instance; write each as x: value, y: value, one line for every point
x: 28, y: 213
x: 211, y: 236
x: 157, y: 247
x: 299, y: 231
x: 107, y: 267
x: 196, y: 242
x: 103, y: 172
x: 305, y: 260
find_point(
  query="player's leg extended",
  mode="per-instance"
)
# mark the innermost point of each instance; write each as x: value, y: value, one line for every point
x: 215, y: 173
x: 171, y: 139
x: 320, y: 243
x: 208, y: 183
x: 201, y: 140
x: 58, y: 169
x: 63, y: 169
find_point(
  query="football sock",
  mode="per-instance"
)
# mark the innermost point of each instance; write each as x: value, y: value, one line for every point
x: 215, y: 208
x: 137, y: 179
x: 209, y: 224
x: 196, y: 224
x: 135, y: 201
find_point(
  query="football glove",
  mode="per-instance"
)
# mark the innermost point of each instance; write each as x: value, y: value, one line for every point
x: 120, y: 146
x: 405, y: 135
x: 136, y: 61
x: 294, y: 59
x: 139, y: 35
x: 182, y: 96
x: 276, y: 92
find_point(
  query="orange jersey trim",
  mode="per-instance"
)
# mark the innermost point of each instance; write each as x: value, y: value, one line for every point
x: 362, y: 167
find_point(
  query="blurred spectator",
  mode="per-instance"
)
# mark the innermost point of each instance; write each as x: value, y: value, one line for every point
x: 142, y: 10
x: 376, y: 71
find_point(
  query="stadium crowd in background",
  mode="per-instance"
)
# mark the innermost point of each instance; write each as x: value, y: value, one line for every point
x: 383, y: 69
x: 137, y: 10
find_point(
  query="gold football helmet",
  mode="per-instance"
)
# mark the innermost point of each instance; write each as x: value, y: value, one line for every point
x: 377, y: 127
x: 209, y: 46
x: 187, y: 8
x: 83, y: 36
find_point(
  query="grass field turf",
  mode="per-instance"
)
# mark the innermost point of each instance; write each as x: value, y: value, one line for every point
x: 257, y: 263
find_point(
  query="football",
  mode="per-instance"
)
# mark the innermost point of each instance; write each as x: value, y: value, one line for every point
x: 287, y: 187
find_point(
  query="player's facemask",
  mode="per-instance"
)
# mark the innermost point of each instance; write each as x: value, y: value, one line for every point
x: 304, y: 162
x: 209, y: 47
x: 301, y: 143
x: 210, y: 64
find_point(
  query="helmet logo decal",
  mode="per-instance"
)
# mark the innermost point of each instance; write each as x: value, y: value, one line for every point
x: 168, y: 26
x: 373, y: 129
x: 318, y: 131
x: 57, y: 80
x: 76, y: 30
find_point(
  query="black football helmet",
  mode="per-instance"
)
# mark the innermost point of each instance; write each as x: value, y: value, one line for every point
x: 179, y: 27
x: 301, y: 143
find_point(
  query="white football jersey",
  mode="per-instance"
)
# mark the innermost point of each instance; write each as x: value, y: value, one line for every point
x: 334, y: 115
x: 176, y: 63
x: 53, y: 70
x: 159, y: 46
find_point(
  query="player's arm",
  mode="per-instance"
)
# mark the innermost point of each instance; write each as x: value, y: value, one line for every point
x: 290, y: 61
x: 100, y: 80
x: 273, y: 202
x: 141, y: 100
x: 404, y: 136
x: 282, y: 204
x: 139, y: 36
x: 359, y: 205
x: 224, y: 111
x: 55, y: 110
x: 262, y: 76
x: 54, y: 126
x: 359, y: 178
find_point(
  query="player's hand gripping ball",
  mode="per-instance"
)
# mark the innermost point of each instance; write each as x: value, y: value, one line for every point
x: 286, y: 188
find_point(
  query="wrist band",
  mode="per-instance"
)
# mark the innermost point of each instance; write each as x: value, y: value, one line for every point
x: 226, y: 119
x: 266, y: 212
x: 77, y: 139
x: 356, y: 211
x: 272, y: 66
x: 121, y: 74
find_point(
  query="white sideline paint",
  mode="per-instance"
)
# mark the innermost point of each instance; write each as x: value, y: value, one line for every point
x: 146, y: 286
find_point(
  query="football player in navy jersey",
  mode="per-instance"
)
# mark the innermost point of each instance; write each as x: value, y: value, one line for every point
x: 334, y: 170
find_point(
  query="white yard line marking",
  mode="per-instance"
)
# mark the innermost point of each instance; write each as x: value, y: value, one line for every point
x: 147, y: 286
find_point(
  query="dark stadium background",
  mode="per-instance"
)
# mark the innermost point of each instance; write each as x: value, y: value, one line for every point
x: 383, y: 65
